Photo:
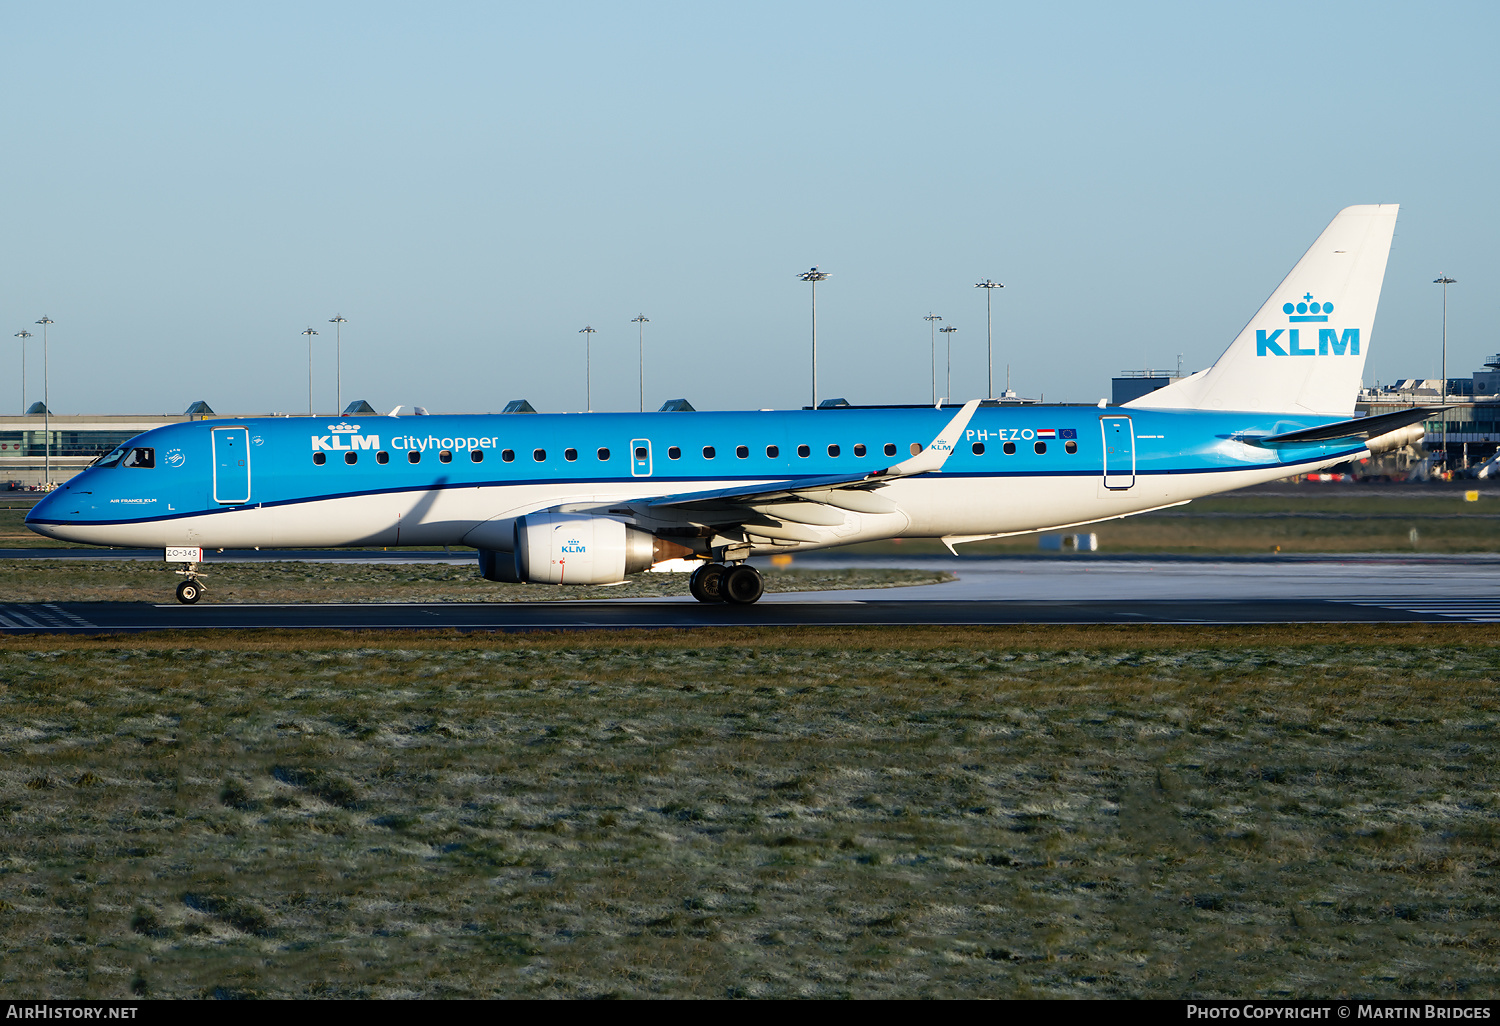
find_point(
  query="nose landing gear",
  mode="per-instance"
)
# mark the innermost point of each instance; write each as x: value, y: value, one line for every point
x: 739, y: 584
x: 190, y: 590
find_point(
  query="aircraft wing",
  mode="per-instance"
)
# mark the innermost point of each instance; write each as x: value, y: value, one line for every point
x: 929, y: 460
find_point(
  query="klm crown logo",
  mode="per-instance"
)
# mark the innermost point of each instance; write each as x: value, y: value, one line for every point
x: 1307, y: 310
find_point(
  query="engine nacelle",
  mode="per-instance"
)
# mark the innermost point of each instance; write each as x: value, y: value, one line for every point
x: 567, y: 548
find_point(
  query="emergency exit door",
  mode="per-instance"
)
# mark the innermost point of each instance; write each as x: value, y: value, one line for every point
x: 1119, y: 452
x: 231, y: 465
x: 640, y: 457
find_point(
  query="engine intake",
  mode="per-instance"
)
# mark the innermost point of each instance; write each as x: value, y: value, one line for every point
x: 564, y: 548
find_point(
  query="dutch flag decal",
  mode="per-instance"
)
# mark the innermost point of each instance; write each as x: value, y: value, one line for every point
x: 1046, y: 433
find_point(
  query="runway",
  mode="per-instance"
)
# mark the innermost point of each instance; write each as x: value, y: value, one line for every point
x: 1058, y: 590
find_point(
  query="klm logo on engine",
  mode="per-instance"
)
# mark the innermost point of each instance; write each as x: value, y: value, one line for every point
x: 335, y: 442
x: 1288, y: 341
x: 573, y: 545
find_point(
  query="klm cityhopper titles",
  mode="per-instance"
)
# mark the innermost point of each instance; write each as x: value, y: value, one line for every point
x: 592, y: 498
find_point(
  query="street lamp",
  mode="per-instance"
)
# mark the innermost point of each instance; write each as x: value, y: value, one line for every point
x: 640, y: 321
x: 23, y: 335
x: 1445, y: 281
x: 930, y: 319
x: 310, y: 334
x: 46, y: 404
x: 339, y: 321
x: 989, y: 328
x: 588, y: 366
x: 812, y: 277
x: 948, y: 331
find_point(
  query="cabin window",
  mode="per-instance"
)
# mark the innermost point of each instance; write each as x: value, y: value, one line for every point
x: 859, y: 448
x: 1070, y: 447
x: 978, y: 448
x: 742, y: 452
x: 444, y: 455
x: 508, y: 455
x: 319, y: 459
x: 1040, y: 447
x: 603, y: 455
x: 916, y: 447
x: 833, y: 450
x: 890, y: 448
x: 351, y: 458
x: 382, y: 458
x: 571, y: 455
x: 673, y: 453
x: 708, y: 452
x: 476, y: 455
x: 804, y: 451
x: 414, y: 456
x: 540, y: 455
x: 1009, y: 448
x: 772, y: 451
x: 144, y: 459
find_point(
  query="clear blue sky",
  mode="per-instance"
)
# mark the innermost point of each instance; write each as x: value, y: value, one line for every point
x: 187, y: 187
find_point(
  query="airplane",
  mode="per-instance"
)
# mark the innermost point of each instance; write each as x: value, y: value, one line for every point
x: 580, y: 499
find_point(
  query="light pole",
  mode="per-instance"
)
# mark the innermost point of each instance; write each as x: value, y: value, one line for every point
x: 310, y: 334
x: 23, y: 335
x: 588, y: 366
x: 948, y: 331
x: 989, y: 328
x: 640, y: 321
x: 1445, y: 281
x: 338, y: 320
x: 46, y: 405
x: 931, y: 318
x: 812, y: 277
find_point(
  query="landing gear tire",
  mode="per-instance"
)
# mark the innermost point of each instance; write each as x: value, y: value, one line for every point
x: 705, y: 584
x: 189, y: 592
x: 742, y: 585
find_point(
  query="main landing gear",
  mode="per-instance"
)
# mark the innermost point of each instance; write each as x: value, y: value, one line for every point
x: 190, y: 590
x: 739, y: 584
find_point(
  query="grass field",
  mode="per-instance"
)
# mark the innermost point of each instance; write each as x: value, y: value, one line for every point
x: 951, y: 812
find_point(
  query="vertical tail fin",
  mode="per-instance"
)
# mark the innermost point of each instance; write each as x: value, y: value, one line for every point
x: 1304, y: 351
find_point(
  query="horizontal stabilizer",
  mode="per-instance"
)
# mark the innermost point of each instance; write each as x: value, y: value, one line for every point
x: 1363, y: 427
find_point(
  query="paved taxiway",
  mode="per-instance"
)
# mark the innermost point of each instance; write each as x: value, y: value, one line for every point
x: 1067, y: 589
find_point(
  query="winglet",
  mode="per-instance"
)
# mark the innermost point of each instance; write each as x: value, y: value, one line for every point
x: 396, y: 411
x: 938, y: 450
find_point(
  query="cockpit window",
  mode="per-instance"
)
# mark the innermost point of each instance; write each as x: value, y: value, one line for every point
x: 112, y: 458
x: 143, y: 458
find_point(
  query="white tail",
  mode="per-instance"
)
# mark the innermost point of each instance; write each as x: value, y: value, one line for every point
x: 1304, y: 352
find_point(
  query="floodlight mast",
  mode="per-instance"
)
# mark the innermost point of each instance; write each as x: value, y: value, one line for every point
x: 931, y: 318
x: 812, y: 277
x: 948, y: 331
x: 23, y: 335
x: 46, y: 406
x: 989, y: 328
x: 310, y: 334
x: 1445, y: 281
x: 640, y: 321
x: 339, y: 320
x: 588, y: 366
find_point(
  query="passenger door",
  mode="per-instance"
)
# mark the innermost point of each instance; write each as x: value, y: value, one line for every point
x: 1119, y: 452
x: 231, y: 466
